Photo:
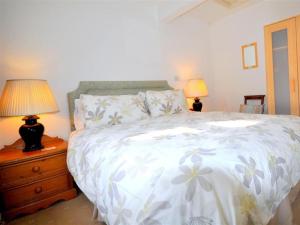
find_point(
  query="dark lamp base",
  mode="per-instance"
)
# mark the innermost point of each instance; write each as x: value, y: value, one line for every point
x: 31, y: 133
x: 197, y: 105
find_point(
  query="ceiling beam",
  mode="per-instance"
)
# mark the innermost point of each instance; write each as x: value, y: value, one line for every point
x: 181, y: 10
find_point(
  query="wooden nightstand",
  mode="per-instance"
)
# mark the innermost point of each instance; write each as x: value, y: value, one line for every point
x: 33, y: 180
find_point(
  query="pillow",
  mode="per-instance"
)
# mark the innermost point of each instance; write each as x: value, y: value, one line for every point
x: 112, y: 110
x: 165, y: 102
x: 256, y: 109
x: 78, y: 115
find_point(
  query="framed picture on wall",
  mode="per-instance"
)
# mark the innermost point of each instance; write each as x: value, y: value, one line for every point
x: 249, y: 56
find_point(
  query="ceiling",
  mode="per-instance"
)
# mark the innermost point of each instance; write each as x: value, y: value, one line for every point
x: 211, y: 11
x: 231, y: 3
x: 214, y: 10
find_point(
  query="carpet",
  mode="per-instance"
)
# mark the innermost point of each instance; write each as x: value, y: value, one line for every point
x: 77, y: 211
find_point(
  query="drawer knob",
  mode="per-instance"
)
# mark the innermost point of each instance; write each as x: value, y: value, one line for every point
x: 36, y: 169
x: 38, y: 190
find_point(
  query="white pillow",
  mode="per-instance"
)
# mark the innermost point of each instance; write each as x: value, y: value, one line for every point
x: 111, y: 110
x: 78, y: 115
x: 166, y: 102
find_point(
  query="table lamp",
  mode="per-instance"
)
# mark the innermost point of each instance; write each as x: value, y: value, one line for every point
x: 194, y: 89
x: 28, y: 97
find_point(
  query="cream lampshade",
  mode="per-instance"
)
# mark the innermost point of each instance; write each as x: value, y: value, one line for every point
x: 194, y: 89
x: 28, y: 97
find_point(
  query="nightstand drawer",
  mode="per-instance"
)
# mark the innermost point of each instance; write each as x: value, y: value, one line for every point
x: 31, y: 171
x: 35, y: 191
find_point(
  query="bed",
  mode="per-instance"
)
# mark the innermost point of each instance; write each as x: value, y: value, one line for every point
x: 189, y: 168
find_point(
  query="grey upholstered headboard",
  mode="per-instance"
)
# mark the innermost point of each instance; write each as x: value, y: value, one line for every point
x: 112, y: 88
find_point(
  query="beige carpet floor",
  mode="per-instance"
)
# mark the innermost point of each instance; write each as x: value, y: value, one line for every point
x: 79, y: 211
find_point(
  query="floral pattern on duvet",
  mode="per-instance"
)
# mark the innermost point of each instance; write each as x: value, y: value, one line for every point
x: 192, y: 168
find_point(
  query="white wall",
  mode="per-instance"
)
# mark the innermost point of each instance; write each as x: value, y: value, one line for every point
x: 68, y: 41
x: 227, y: 36
x: 1, y: 42
x: 185, y: 44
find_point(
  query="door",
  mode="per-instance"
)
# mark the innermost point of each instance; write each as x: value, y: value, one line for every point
x: 281, y: 67
x: 298, y: 54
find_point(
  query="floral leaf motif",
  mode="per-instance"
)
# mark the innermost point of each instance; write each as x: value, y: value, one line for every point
x: 113, y: 190
x: 201, y: 220
x: 292, y: 134
x: 275, y: 167
x: 103, y: 103
x: 288, y: 179
x: 234, y: 140
x: 103, y: 210
x: 169, y: 98
x: 126, y: 109
x: 150, y: 210
x: 247, y: 204
x: 137, y: 101
x: 95, y: 116
x: 260, y: 130
x: 178, y: 109
x: 272, y: 200
x: 150, y: 221
x: 122, y: 214
x: 115, y: 119
x: 192, y: 177
x: 166, y: 108
x: 140, y: 104
x: 157, y: 175
x: 141, y: 164
x: 195, y: 154
x: 164, y: 137
x: 250, y: 173
x: 155, y: 101
x: 144, y: 109
x: 113, y: 98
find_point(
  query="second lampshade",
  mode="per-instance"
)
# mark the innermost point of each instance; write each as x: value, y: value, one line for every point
x: 196, y: 88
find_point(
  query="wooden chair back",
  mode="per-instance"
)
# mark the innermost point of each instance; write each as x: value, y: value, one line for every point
x: 254, y: 97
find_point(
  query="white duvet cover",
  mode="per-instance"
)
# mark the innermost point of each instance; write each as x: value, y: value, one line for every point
x: 191, y: 168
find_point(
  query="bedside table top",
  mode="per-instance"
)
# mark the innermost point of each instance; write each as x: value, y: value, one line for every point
x: 14, y: 153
